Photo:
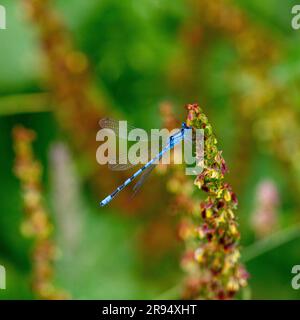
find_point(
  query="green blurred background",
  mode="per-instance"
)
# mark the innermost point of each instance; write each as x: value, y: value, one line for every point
x: 133, y: 48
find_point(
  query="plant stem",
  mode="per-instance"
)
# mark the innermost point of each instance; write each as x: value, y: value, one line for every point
x: 24, y: 103
x: 267, y: 244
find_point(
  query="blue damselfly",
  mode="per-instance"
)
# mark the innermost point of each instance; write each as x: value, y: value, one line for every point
x: 172, y: 141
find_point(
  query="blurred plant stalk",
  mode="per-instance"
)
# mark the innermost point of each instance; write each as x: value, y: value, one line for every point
x: 78, y: 105
x: 66, y: 198
x: 36, y: 224
x: 265, y: 216
x: 76, y: 108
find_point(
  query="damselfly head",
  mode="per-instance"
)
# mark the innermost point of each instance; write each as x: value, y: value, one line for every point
x: 184, y: 126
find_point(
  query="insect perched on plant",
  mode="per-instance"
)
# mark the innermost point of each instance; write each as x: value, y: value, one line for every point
x: 171, y: 142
